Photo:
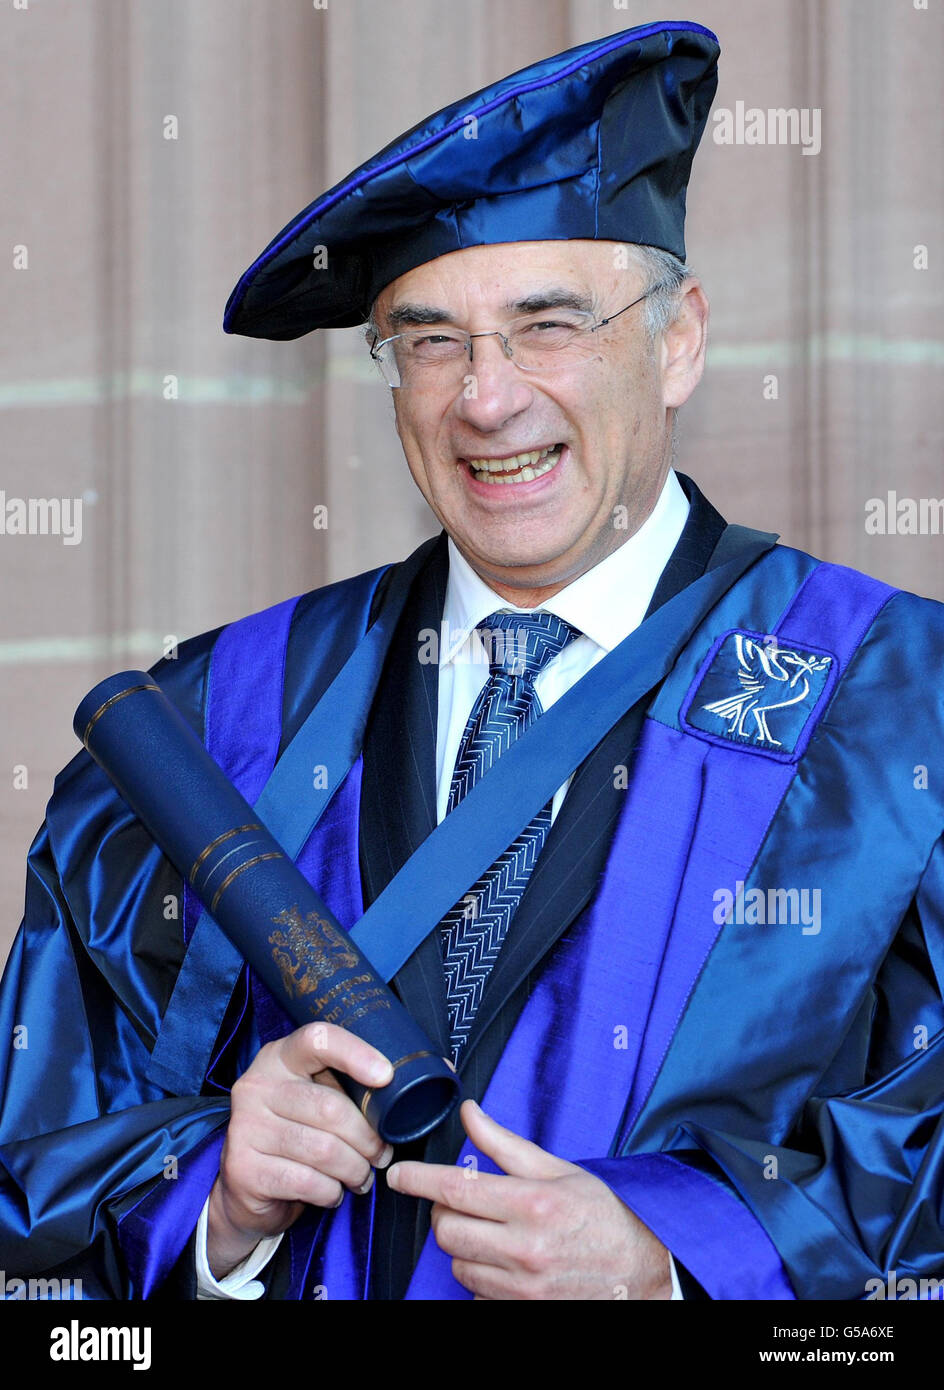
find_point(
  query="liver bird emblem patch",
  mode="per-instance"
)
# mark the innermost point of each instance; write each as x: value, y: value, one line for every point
x: 758, y: 693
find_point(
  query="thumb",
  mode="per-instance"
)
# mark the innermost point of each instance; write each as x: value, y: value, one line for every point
x: 517, y: 1157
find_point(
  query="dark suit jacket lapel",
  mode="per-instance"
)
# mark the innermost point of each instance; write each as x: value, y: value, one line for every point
x: 398, y: 800
x: 575, y: 854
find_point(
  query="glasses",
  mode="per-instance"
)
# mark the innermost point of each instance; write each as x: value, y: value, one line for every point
x: 433, y: 358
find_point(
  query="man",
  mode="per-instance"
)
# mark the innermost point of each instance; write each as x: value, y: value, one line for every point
x: 617, y: 792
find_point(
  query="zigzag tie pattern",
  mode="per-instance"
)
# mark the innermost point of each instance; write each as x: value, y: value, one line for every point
x: 519, y: 646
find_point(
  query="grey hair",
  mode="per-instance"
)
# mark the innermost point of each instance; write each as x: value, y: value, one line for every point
x: 669, y: 273
x: 662, y: 307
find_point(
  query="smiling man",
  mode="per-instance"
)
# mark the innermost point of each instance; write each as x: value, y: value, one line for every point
x: 660, y: 721
x: 530, y: 441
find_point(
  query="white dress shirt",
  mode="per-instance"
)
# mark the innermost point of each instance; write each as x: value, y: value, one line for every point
x: 606, y: 604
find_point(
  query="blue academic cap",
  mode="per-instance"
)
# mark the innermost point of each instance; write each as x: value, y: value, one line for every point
x: 596, y: 142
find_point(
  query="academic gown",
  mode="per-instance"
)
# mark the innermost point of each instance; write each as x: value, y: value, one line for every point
x: 851, y: 1135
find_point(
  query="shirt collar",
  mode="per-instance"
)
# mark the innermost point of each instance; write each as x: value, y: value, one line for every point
x: 607, y: 603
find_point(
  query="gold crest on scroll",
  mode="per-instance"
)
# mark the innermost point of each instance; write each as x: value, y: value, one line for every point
x: 310, y: 951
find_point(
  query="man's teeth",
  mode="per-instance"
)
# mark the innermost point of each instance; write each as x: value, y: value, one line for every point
x: 521, y: 468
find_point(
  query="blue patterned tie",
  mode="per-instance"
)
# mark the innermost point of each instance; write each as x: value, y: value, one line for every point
x: 519, y: 646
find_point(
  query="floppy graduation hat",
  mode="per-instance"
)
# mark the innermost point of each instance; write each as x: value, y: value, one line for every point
x: 596, y: 142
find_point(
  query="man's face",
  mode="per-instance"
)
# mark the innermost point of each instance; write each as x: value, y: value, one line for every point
x: 605, y: 419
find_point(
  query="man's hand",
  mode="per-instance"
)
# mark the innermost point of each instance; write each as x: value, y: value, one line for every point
x: 294, y: 1137
x: 547, y: 1230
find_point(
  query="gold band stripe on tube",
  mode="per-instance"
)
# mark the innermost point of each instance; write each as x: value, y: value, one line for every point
x: 227, y: 834
x: 113, y: 701
x: 401, y: 1063
x: 272, y: 854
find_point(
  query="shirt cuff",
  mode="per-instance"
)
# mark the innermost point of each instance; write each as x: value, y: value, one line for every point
x: 241, y: 1282
x: 677, y: 1295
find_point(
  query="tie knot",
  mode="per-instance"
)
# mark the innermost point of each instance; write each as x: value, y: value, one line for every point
x: 521, y: 644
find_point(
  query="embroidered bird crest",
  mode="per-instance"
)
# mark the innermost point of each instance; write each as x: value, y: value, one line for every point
x: 770, y: 678
x: 309, y: 952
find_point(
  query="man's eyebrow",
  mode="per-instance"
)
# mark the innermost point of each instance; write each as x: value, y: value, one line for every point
x: 414, y: 315
x: 555, y: 297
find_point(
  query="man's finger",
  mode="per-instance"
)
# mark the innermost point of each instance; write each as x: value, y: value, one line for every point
x: 487, y: 1195
x: 474, y: 1240
x: 289, y: 1180
x: 309, y: 1050
x: 515, y: 1156
x: 326, y: 1110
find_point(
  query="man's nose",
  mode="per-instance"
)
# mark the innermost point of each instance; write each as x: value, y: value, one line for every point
x: 494, y: 388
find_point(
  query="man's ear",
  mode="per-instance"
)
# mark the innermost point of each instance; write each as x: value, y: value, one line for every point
x: 683, y: 346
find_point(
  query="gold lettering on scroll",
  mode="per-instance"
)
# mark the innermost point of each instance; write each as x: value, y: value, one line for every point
x: 344, y: 1013
x: 323, y: 1000
x: 364, y: 1009
x: 309, y: 952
